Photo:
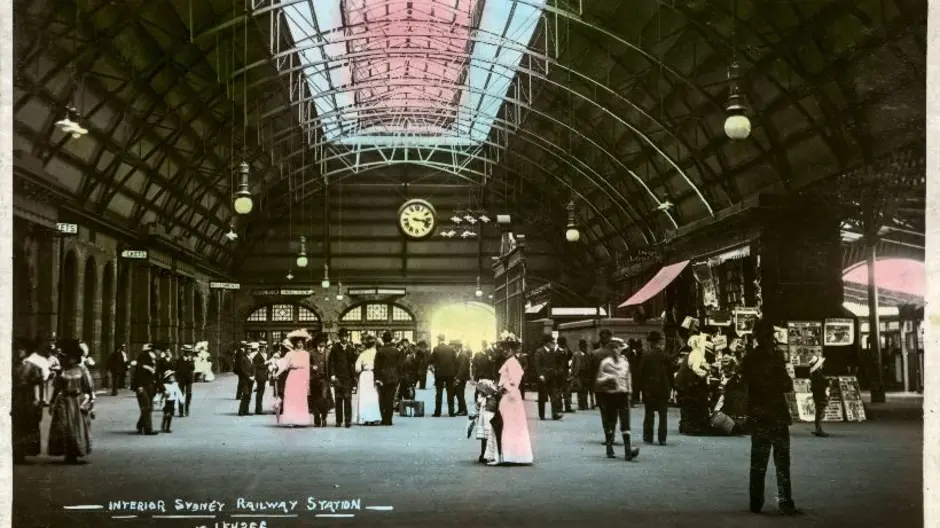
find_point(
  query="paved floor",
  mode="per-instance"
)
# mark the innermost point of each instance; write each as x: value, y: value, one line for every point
x: 424, y: 471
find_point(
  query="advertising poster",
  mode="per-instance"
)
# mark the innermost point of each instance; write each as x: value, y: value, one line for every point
x: 744, y: 319
x: 718, y: 318
x: 803, y: 399
x: 720, y: 342
x: 784, y: 351
x: 805, y: 333
x: 801, y: 355
x: 840, y: 332
x: 834, y: 411
x: 780, y: 335
x: 852, y: 399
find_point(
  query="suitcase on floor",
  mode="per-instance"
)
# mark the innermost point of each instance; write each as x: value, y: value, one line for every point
x: 411, y: 409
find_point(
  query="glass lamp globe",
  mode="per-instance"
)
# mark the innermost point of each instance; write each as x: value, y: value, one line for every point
x: 478, y: 293
x: 339, y: 296
x: 325, y: 283
x: 737, y: 126
x: 243, y: 205
x: 302, y: 261
x: 572, y: 234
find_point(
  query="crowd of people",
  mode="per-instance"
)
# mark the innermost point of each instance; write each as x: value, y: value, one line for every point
x: 309, y: 376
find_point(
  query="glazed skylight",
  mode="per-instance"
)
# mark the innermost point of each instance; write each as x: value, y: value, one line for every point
x: 411, y: 72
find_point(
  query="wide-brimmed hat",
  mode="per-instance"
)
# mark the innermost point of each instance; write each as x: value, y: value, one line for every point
x: 253, y: 345
x: 299, y: 334
x: 147, y: 347
x: 168, y: 373
x: 187, y: 348
x: 816, y: 363
x: 616, y: 343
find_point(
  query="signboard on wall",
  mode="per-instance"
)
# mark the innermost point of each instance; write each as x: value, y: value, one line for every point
x: 66, y: 228
x: 135, y: 254
x: 839, y: 332
x: 225, y: 286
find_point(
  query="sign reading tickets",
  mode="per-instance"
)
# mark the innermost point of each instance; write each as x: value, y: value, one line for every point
x: 225, y: 285
x: 136, y: 254
x: 65, y: 228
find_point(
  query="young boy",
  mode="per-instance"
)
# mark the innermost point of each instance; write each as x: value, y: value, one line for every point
x: 171, y: 396
x: 819, y: 385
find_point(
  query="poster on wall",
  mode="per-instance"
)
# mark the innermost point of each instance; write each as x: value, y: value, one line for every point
x: 744, y: 319
x: 718, y: 318
x: 800, y: 356
x: 852, y: 399
x: 833, y: 411
x: 720, y: 342
x: 840, y: 332
x: 780, y: 335
x: 806, y: 409
x: 805, y: 333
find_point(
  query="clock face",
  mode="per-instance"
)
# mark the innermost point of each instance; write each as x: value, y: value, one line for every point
x: 417, y: 218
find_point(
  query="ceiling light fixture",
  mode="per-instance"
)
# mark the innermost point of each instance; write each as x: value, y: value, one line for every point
x: 243, y: 203
x: 325, y: 283
x: 232, y: 236
x: 339, y: 292
x: 571, y: 233
x: 68, y: 125
x: 479, y: 291
x: 737, y: 124
x: 302, y: 256
x: 290, y: 275
x: 467, y: 234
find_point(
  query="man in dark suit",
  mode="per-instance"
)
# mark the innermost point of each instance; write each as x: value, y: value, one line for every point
x: 765, y: 372
x: 117, y: 368
x: 246, y: 378
x: 564, y: 358
x: 483, y: 366
x: 341, y: 366
x: 654, y: 378
x: 259, y: 365
x: 237, y: 362
x: 421, y: 360
x: 388, y: 360
x: 444, y: 362
x: 546, y: 370
x: 144, y: 382
x: 185, y: 373
x: 461, y: 377
x: 409, y: 373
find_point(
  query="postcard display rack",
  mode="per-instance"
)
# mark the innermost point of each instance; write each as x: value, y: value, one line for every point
x: 799, y: 342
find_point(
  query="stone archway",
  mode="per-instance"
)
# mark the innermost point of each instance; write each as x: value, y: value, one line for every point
x: 68, y: 294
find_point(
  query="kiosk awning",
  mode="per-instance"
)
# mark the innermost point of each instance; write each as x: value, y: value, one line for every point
x: 656, y: 284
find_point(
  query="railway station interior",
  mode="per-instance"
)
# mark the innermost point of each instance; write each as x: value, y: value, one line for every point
x: 216, y: 201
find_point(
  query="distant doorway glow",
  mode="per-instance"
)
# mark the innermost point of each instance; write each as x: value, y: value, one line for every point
x: 470, y: 322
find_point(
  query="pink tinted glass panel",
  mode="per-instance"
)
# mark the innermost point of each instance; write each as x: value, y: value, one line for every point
x: 898, y: 275
x: 416, y: 59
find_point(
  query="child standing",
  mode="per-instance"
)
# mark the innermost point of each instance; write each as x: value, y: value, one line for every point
x: 487, y: 404
x: 171, y: 396
x: 819, y: 386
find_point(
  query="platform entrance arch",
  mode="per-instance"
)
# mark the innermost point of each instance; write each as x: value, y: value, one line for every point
x: 470, y: 322
x: 377, y: 317
x: 273, y: 322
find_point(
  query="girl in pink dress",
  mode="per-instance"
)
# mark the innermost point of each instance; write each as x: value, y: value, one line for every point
x: 296, y: 363
x: 514, y: 444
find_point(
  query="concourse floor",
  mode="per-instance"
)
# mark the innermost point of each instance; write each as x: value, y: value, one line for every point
x: 423, y: 472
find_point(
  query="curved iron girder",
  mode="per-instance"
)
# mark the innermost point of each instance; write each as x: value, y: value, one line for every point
x: 619, y: 199
x: 443, y: 167
x: 523, y: 176
x: 509, y: 127
x: 348, y: 58
x: 560, y: 12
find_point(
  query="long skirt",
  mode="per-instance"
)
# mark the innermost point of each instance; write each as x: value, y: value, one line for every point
x: 70, y: 431
x: 368, y: 405
x: 515, y: 444
x: 294, y: 410
x: 26, y: 434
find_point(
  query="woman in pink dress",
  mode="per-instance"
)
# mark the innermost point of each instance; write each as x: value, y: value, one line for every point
x: 514, y: 444
x: 296, y: 363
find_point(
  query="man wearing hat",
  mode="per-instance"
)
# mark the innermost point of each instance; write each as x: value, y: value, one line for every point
x: 546, y: 370
x: 819, y: 385
x: 185, y: 374
x: 238, y: 361
x: 443, y: 361
x: 765, y: 372
x: 341, y: 369
x: 246, y: 377
x: 259, y: 365
x: 144, y: 381
x: 655, y: 380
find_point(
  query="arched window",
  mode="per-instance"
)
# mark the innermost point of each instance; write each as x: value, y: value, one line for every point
x: 377, y: 317
x: 272, y: 323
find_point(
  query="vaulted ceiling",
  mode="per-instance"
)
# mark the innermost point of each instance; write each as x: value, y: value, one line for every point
x: 527, y: 104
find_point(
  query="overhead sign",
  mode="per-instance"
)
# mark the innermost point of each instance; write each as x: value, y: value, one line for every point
x: 569, y: 312
x: 298, y: 292
x: 391, y: 291
x: 362, y: 291
x: 225, y: 286
x: 68, y: 229
x: 138, y: 254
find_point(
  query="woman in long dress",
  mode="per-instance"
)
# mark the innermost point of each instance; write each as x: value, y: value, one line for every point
x: 296, y: 364
x: 368, y: 406
x: 515, y: 445
x: 73, y: 399
x: 29, y: 398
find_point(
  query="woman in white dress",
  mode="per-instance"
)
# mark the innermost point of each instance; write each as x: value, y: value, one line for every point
x: 368, y: 405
